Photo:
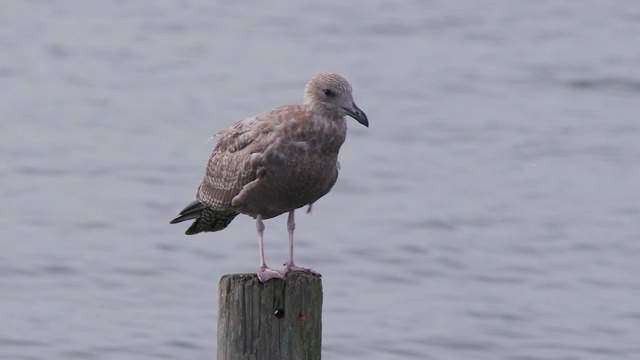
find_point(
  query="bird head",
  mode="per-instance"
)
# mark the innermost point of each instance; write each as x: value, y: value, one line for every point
x: 334, y: 93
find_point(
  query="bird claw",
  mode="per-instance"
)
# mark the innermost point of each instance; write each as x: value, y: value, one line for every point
x: 265, y: 274
x: 290, y: 267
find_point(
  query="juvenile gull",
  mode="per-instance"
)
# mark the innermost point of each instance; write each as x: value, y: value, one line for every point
x: 276, y: 162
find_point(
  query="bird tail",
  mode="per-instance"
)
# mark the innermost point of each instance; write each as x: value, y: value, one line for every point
x: 207, y: 219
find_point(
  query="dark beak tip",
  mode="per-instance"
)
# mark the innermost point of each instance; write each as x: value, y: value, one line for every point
x: 358, y: 115
x: 362, y: 119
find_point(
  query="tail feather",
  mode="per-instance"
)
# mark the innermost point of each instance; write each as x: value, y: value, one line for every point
x: 207, y: 219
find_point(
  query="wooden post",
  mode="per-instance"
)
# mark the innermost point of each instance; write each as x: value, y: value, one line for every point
x: 271, y: 321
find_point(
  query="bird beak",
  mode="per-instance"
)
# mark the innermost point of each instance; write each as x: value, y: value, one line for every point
x: 357, y: 114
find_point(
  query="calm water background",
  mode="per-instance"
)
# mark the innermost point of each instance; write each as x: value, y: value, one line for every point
x: 492, y: 210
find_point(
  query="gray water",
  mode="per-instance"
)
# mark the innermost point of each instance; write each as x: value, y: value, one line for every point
x: 491, y: 211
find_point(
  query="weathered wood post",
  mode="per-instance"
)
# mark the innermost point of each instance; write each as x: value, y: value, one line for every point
x: 271, y: 321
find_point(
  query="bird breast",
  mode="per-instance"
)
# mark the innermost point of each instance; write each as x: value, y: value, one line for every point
x: 294, y: 170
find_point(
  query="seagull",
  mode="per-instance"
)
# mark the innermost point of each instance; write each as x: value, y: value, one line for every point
x: 275, y: 163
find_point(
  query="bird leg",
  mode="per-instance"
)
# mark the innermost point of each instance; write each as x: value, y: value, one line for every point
x: 264, y: 273
x: 290, y: 265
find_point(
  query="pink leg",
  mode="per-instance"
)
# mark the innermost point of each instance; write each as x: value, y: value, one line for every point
x: 264, y: 273
x: 290, y: 265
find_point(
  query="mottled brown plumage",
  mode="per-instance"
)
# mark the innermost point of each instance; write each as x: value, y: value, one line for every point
x: 276, y: 162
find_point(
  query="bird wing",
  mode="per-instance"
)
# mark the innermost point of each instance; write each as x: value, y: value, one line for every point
x: 236, y: 158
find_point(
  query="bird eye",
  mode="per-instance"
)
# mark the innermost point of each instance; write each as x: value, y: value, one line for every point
x: 328, y: 92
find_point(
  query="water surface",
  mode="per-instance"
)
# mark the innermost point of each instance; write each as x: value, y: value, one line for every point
x: 489, y: 212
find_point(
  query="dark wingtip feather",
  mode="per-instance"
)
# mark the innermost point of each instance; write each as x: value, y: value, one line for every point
x: 207, y: 219
x: 191, y: 211
x: 182, y: 218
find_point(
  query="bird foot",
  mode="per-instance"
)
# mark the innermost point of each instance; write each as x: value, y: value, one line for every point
x: 265, y: 274
x: 291, y: 267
